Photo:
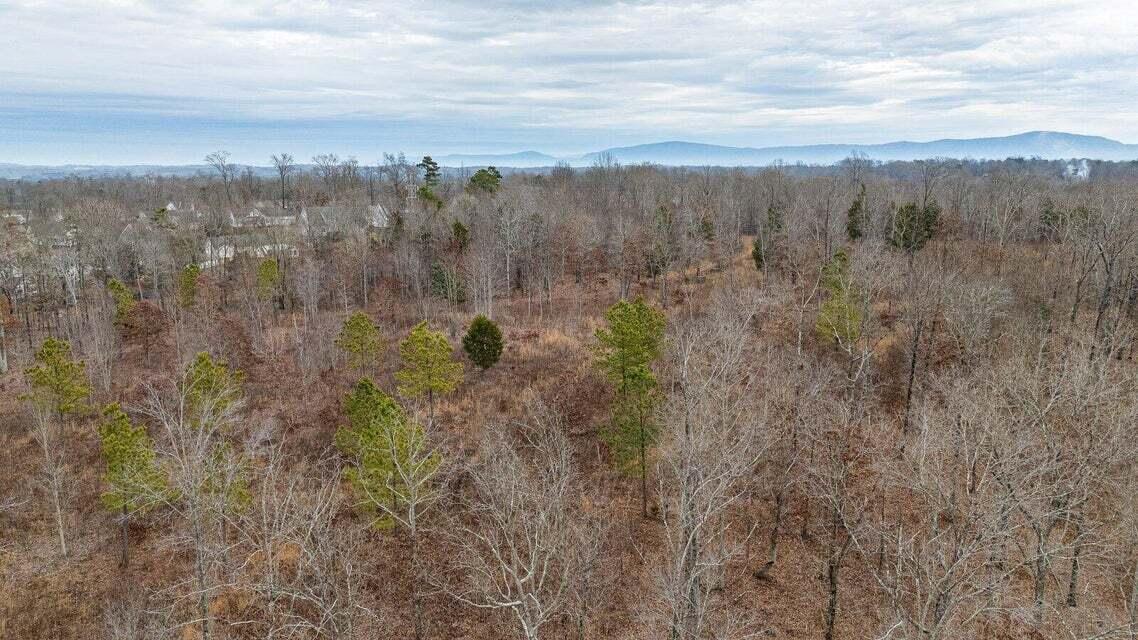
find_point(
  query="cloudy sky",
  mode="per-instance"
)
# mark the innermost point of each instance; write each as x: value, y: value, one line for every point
x: 116, y: 81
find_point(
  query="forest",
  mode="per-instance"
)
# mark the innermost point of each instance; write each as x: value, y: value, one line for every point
x: 890, y: 401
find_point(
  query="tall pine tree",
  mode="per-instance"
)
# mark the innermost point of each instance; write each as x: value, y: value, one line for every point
x: 839, y: 320
x: 134, y: 479
x: 428, y: 367
x: 392, y: 469
x: 59, y: 383
x: 360, y: 340
x: 625, y: 352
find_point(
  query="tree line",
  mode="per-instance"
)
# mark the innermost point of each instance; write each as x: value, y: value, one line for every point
x: 910, y: 386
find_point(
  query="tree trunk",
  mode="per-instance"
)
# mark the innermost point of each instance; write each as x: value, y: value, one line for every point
x: 53, y: 471
x: 772, y: 543
x: 643, y: 482
x: 55, y: 498
x: 3, y: 350
x: 832, y: 569
x: 1040, y: 581
x: 416, y: 599
x: 200, y: 573
x: 1073, y: 583
x: 643, y: 466
x: 912, y: 374
x: 1133, y: 601
x: 1103, y: 304
x: 124, y: 558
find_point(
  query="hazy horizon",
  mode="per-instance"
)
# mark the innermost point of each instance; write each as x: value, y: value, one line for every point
x: 151, y: 83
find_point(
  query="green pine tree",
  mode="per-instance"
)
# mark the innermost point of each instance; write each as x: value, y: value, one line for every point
x: 461, y: 235
x: 483, y: 342
x: 428, y: 366
x: 757, y: 254
x: 212, y: 390
x: 839, y: 320
x: 124, y: 299
x: 268, y: 278
x: 633, y: 430
x: 391, y: 469
x: 360, y: 339
x: 486, y: 180
x: 135, y: 482
x: 431, y: 173
x: 913, y: 226
x: 58, y: 382
x: 188, y: 285
x: 380, y: 441
x: 626, y: 349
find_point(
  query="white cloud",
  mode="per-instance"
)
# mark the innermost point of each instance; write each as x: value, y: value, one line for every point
x: 745, y: 73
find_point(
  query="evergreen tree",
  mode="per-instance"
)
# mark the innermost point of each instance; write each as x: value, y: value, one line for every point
x: 212, y: 392
x: 446, y: 283
x: 757, y: 254
x: 58, y: 388
x: 392, y: 469
x: 428, y: 367
x: 360, y: 339
x: 839, y: 319
x: 625, y: 352
x: 371, y: 415
x: 59, y: 383
x: 486, y: 180
x: 855, y: 216
x: 914, y: 226
x: 136, y: 483
x: 461, y: 235
x: 188, y: 285
x: 268, y: 278
x: 431, y: 173
x: 124, y: 299
x: 483, y: 342
x: 211, y: 389
x: 633, y: 338
x: 428, y: 197
x: 379, y: 440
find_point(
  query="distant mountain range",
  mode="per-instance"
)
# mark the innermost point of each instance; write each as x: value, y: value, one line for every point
x: 1048, y: 145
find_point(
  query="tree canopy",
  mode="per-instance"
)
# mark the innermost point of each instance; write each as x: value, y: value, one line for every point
x: 486, y: 180
x: 483, y: 342
x: 123, y: 298
x: 387, y: 450
x: 359, y: 338
x: 839, y: 319
x: 134, y: 480
x: 58, y: 382
x: 428, y: 365
x: 626, y: 349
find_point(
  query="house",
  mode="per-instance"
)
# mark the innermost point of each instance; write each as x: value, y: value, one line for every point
x: 220, y: 249
x: 316, y: 221
x: 17, y: 217
x: 264, y: 216
x: 324, y: 220
x: 378, y: 217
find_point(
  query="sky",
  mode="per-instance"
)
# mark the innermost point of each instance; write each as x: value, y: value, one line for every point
x: 134, y: 82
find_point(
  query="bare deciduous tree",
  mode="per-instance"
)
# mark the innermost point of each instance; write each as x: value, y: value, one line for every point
x: 714, y: 439
x: 513, y: 546
x: 219, y: 160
